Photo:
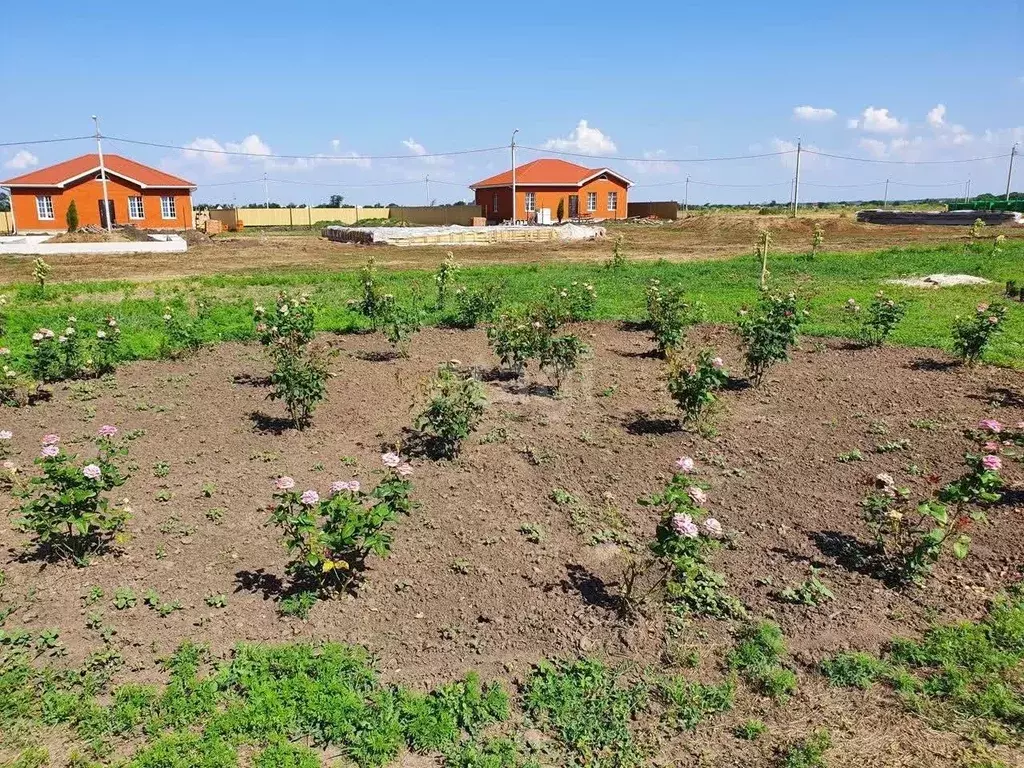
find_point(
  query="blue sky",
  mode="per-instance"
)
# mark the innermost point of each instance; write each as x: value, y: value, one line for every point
x: 878, y: 80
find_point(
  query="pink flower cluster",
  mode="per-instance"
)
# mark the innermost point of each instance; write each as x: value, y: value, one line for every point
x: 92, y: 471
x: 107, y: 430
x: 697, y: 495
x: 340, y: 486
x: 393, y: 461
x: 284, y: 483
x: 684, y: 526
x: 310, y: 497
x: 685, y: 464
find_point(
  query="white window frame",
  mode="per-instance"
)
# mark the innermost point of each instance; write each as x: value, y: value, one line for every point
x: 168, y: 208
x: 613, y: 201
x: 141, y: 209
x: 531, y: 202
x: 44, y: 208
x: 591, y: 202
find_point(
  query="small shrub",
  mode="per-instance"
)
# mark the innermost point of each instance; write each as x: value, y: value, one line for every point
x: 371, y: 303
x: 512, y: 339
x: 688, y: 704
x: 286, y: 755
x: 817, y: 239
x: 399, y: 323
x: 71, y: 217
x: 66, y: 506
x: 882, y: 317
x: 181, y: 334
x: 573, y: 303
x: 750, y: 730
x: 289, y: 323
x: 45, y: 360
x: 618, y: 260
x: 454, y: 407
x: 768, y: 332
x: 107, y: 353
x: 669, y: 315
x: 475, y: 305
x: 909, y: 537
x: 559, y: 356
x: 329, y: 539
x: 693, y: 386
x: 445, y: 275
x: 972, y: 335
x: 299, y: 379
x: 41, y: 273
x: 678, y: 566
x: 298, y: 604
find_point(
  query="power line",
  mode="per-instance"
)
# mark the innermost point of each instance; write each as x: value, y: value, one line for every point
x: 333, y: 158
x: 656, y: 159
x: 904, y: 162
x: 43, y: 141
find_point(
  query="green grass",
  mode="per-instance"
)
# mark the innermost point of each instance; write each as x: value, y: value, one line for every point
x: 809, y: 752
x: 688, y: 704
x: 963, y: 676
x: 590, y: 711
x: 270, y: 697
x: 723, y: 286
x: 758, y: 654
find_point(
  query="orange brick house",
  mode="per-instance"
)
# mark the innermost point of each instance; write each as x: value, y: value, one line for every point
x: 138, y: 195
x: 585, y: 193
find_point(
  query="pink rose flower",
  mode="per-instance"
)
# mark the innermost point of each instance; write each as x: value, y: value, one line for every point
x: 6, y: 434
x: 685, y: 464
x: 9, y: 465
x: 284, y: 483
x: 51, y: 439
x: 405, y: 470
x: 49, y: 451
x: 991, y: 425
x: 992, y: 463
x: 991, y: 446
x: 107, y: 430
x: 717, y: 363
x: 92, y: 471
x: 697, y: 496
x: 712, y: 527
x: 310, y: 497
x: 684, y: 526
x: 338, y: 486
x: 390, y: 459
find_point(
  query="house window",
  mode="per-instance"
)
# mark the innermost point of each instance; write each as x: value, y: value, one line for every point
x: 591, y: 202
x: 167, y: 209
x: 495, y: 202
x: 613, y: 201
x: 135, y: 209
x: 44, y: 207
x: 531, y: 202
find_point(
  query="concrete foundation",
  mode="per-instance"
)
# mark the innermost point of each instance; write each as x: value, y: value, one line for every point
x: 36, y: 245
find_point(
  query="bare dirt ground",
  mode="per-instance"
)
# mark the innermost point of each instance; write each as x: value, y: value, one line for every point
x: 465, y: 589
x: 699, y: 237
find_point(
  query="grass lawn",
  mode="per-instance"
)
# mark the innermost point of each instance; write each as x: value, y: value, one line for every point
x: 724, y: 286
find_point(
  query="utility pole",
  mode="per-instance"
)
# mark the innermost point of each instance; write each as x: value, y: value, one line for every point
x: 266, y: 191
x: 686, y: 195
x: 796, y: 179
x: 426, y: 185
x: 967, y: 192
x: 103, y: 175
x: 885, y: 200
x: 1009, y: 172
x: 514, y: 175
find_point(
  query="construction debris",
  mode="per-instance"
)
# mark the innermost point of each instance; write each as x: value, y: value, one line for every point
x: 459, y: 235
x: 943, y: 218
x: 939, y: 281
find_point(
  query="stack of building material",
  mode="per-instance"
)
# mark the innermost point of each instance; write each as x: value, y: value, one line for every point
x: 942, y: 218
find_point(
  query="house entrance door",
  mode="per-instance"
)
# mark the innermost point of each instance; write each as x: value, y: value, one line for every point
x: 574, y: 206
x: 103, y: 213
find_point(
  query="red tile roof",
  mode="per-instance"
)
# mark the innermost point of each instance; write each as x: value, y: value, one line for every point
x: 61, y: 173
x: 547, y: 171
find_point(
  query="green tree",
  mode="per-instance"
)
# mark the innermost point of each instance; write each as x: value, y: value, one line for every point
x: 71, y: 217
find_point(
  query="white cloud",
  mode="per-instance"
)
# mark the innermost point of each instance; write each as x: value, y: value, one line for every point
x: 852, y: 123
x: 654, y: 163
x: 22, y: 160
x: 874, y: 147
x: 936, y: 116
x: 584, y: 140
x: 414, y: 146
x: 335, y: 143
x: 814, y: 114
x: 254, y: 151
x: 878, y: 120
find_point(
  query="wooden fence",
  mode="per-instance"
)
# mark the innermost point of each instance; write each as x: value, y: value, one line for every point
x: 311, y: 217
x: 6, y: 222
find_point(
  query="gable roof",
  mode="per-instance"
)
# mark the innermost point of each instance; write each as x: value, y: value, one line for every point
x: 548, y: 172
x: 61, y: 174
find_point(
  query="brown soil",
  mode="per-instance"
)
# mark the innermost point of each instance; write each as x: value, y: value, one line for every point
x: 610, y: 439
x: 696, y: 238
x: 115, y: 236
